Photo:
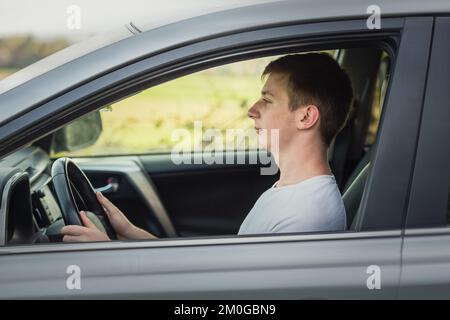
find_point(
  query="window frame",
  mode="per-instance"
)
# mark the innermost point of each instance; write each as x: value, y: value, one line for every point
x: 415, y: 33
x: 431, y: 180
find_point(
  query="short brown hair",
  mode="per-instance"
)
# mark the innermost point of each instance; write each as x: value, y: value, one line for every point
x: 316, y: 78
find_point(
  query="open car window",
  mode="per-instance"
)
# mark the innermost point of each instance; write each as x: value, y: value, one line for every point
x: 215, y: 99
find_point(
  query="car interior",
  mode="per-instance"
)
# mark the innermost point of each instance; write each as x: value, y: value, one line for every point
x: 40, y: 194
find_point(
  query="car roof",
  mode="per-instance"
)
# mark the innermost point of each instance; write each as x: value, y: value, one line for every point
x: 89, y: 59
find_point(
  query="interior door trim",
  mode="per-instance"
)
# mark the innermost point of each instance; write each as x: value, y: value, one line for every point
x: 129, y: 167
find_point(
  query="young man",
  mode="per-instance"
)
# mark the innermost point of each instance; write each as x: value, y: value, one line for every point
x: 306, y: 99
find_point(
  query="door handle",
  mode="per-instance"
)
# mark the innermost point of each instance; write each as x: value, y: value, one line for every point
x: 112, y: 186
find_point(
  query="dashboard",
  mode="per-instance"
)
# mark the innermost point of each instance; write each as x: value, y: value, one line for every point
x: 45, y: 207
x: 30, y: 211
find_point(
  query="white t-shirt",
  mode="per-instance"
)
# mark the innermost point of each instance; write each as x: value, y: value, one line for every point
x: 312, y: 205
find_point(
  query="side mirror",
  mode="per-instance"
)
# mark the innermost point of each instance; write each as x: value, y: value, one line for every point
x: 79, y: 134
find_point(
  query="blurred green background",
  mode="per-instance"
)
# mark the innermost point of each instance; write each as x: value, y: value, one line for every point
x: 219, y: 98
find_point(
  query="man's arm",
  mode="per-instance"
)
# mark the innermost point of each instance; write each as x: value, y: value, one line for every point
x: 125, y: 230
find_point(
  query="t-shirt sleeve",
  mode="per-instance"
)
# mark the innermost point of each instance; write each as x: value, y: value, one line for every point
x: 314, y: 221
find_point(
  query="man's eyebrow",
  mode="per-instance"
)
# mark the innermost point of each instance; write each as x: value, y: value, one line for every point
x: 265, y: 92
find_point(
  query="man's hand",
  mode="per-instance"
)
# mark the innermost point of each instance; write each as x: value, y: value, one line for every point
x: 125, y: 230
x: 88, y: 233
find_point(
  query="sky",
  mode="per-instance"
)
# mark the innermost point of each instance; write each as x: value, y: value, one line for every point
x: 52, y: 18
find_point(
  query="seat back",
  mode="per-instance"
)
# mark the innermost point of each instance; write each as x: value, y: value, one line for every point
x: 354, y: 189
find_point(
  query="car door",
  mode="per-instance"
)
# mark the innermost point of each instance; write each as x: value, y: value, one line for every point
x: 361, y: 263
x: 426, y: 251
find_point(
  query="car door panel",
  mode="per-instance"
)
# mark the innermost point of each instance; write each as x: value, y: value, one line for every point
x: 278, y: 267
x: 272, y: 266
x: 425, y: 264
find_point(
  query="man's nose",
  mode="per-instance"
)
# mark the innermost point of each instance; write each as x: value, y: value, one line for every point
x: 253, y: 111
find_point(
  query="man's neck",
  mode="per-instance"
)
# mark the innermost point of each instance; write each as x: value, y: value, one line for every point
x: 297, y: 165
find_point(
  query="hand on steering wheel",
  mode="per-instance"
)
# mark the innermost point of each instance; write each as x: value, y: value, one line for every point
x: 88, y: 233
x: 73, y: 189
x: 125, y: 230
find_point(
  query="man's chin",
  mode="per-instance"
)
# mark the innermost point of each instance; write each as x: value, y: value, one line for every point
x: 268, y: 142
x: 263, y: 146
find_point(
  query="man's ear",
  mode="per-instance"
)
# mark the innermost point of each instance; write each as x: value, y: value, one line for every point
x: 307, y: 116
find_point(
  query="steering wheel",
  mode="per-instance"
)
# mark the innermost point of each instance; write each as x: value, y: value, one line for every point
x: 75, y: 192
